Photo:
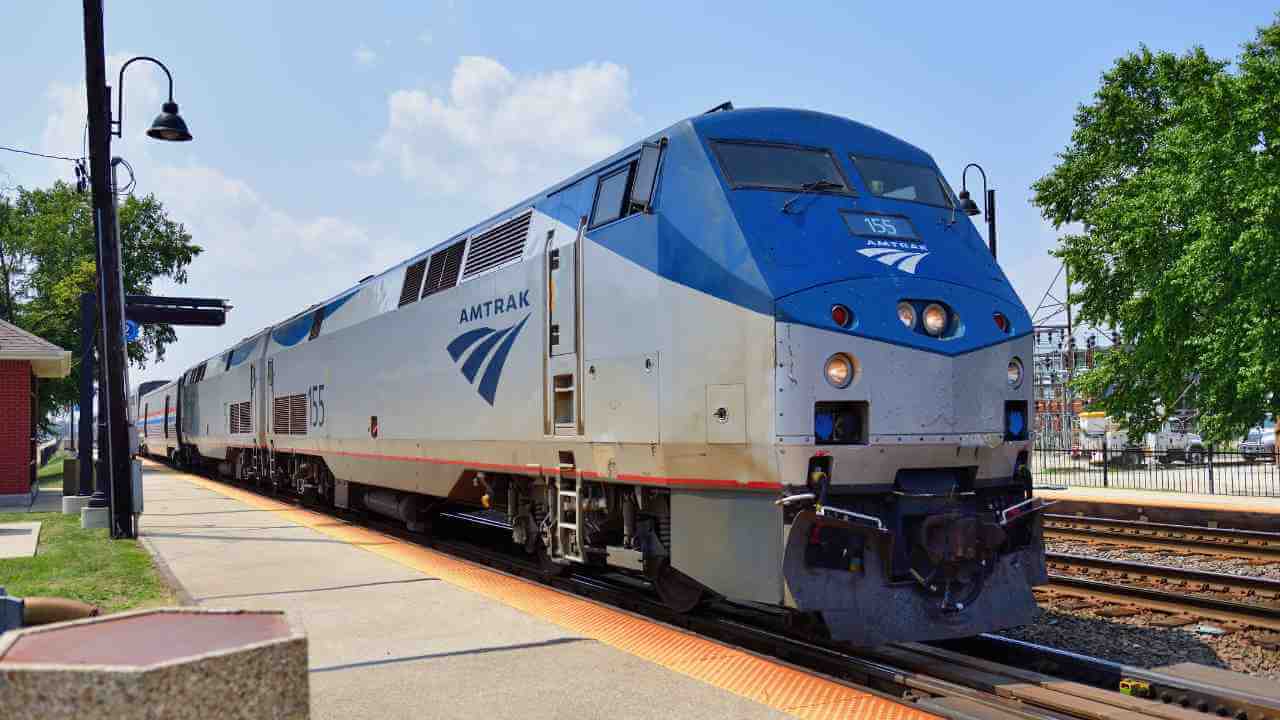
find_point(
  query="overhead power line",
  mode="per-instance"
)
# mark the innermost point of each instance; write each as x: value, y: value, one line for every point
x: 20, y: 151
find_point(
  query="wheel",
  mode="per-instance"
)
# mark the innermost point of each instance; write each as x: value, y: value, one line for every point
x: 1195, y: 457
x: 1164, y: 459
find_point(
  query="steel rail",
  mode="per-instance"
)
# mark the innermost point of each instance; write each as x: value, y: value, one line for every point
x: 1239, y: 584
x: 1117, y: 578
x: 1225, y: 542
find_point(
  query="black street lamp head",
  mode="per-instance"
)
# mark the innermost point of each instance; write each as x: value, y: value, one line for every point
x: 967, y: 204
x: 169, y: 125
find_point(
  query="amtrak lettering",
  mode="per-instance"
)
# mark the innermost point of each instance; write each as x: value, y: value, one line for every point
x: 496, y: 306
x: 914, y: 245
x: 904, y: 256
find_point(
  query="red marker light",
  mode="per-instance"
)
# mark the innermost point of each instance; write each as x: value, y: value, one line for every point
x: 1002, y: 322
x: 841, y: 316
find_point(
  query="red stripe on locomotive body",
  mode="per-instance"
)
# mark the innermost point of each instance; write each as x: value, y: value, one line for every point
x: 627, y: 478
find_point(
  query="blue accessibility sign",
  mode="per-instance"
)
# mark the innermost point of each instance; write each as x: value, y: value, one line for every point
x: 131, y: 330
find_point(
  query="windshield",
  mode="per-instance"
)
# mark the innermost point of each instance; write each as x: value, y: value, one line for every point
x: 903, y: 181
x: 1254, y: 435
x: 779, y: 167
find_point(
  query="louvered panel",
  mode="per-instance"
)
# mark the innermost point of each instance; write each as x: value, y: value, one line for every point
x: 442, y: 273
x: 412, y: 282
x: 497, y: 245
x: 298, y: 414
x: 280, y: 415
x: 289, y: 415
x: 241, y: 418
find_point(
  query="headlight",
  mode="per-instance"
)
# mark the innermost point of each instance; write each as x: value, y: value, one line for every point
x: 1015, y: 373
x: 907, y: 314
x: 839, y: 370
x: 935, y: 319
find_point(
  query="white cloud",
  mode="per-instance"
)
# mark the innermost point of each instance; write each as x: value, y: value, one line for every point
x: 364, y: 56
x: 502, y: 135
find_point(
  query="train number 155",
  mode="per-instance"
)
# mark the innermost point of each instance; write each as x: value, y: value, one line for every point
x: 881, y: 226
x: 315, y: 395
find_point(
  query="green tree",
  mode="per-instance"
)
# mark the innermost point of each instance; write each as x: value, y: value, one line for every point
x: 1172, y: 176
x: 47, y: 260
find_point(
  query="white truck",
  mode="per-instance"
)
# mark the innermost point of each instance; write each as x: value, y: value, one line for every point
x: 1173, y: 443
x: 1176, y: 443
x: 1100, y: 434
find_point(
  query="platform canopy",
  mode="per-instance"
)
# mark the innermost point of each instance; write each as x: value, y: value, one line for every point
x: 47, y: 360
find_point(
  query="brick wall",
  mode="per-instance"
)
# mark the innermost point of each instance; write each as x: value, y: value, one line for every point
x: 15, y: 426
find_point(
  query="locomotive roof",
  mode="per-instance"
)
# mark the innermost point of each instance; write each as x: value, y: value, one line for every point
x: 784, y: 125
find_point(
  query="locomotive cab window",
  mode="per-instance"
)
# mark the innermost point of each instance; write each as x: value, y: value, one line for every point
x: 609, y: 195
x: 780, y: 167
x: 629, y: 189
x: 903, y: 181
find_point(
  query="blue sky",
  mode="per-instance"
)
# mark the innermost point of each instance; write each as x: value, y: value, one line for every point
x: 330, y: 144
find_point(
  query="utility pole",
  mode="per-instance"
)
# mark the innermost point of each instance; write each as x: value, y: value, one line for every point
x: 118, y: 476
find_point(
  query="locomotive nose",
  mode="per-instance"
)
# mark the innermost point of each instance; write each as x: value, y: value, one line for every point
x: 873, y: 361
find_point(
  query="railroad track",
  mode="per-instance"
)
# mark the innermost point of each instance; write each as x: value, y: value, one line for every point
x: 1253, y: 545
x: 1218, y: 596
x: 970, y: 678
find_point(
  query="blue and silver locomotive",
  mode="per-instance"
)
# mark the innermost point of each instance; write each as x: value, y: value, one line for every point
x: 760, y: 354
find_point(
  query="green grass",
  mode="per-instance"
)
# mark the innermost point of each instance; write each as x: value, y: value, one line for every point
x: 84, y: 565
x: 49, y: 477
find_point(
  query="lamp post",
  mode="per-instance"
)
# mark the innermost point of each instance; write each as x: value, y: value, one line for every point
x: 117, y: 480
x: 971, y: 208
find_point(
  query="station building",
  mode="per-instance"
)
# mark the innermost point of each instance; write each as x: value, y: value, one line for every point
x: 24, y: 359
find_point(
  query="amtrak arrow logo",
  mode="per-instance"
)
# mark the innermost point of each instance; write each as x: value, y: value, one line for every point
x: 903, y: 260
x: 488, y: 343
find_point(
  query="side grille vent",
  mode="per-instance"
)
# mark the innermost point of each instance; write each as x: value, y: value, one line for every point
x: 240, y: 420
x: 289, y: 415
x: 497, y: 245
x: 442, y: 274
x: 412, y: 282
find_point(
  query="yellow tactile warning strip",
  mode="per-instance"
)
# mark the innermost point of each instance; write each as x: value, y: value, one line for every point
x: 768, y: 683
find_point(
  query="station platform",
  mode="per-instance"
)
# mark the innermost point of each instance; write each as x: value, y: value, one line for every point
x: 400, y: 630
x: 1238, y: 511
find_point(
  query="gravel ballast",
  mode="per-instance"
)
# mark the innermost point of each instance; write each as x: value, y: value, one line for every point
x: 1134, y: 640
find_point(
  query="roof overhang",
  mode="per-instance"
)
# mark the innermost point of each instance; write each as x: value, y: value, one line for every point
x: 45, y: 364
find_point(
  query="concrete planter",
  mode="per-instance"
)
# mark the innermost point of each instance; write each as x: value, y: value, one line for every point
x: 164, y: 663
